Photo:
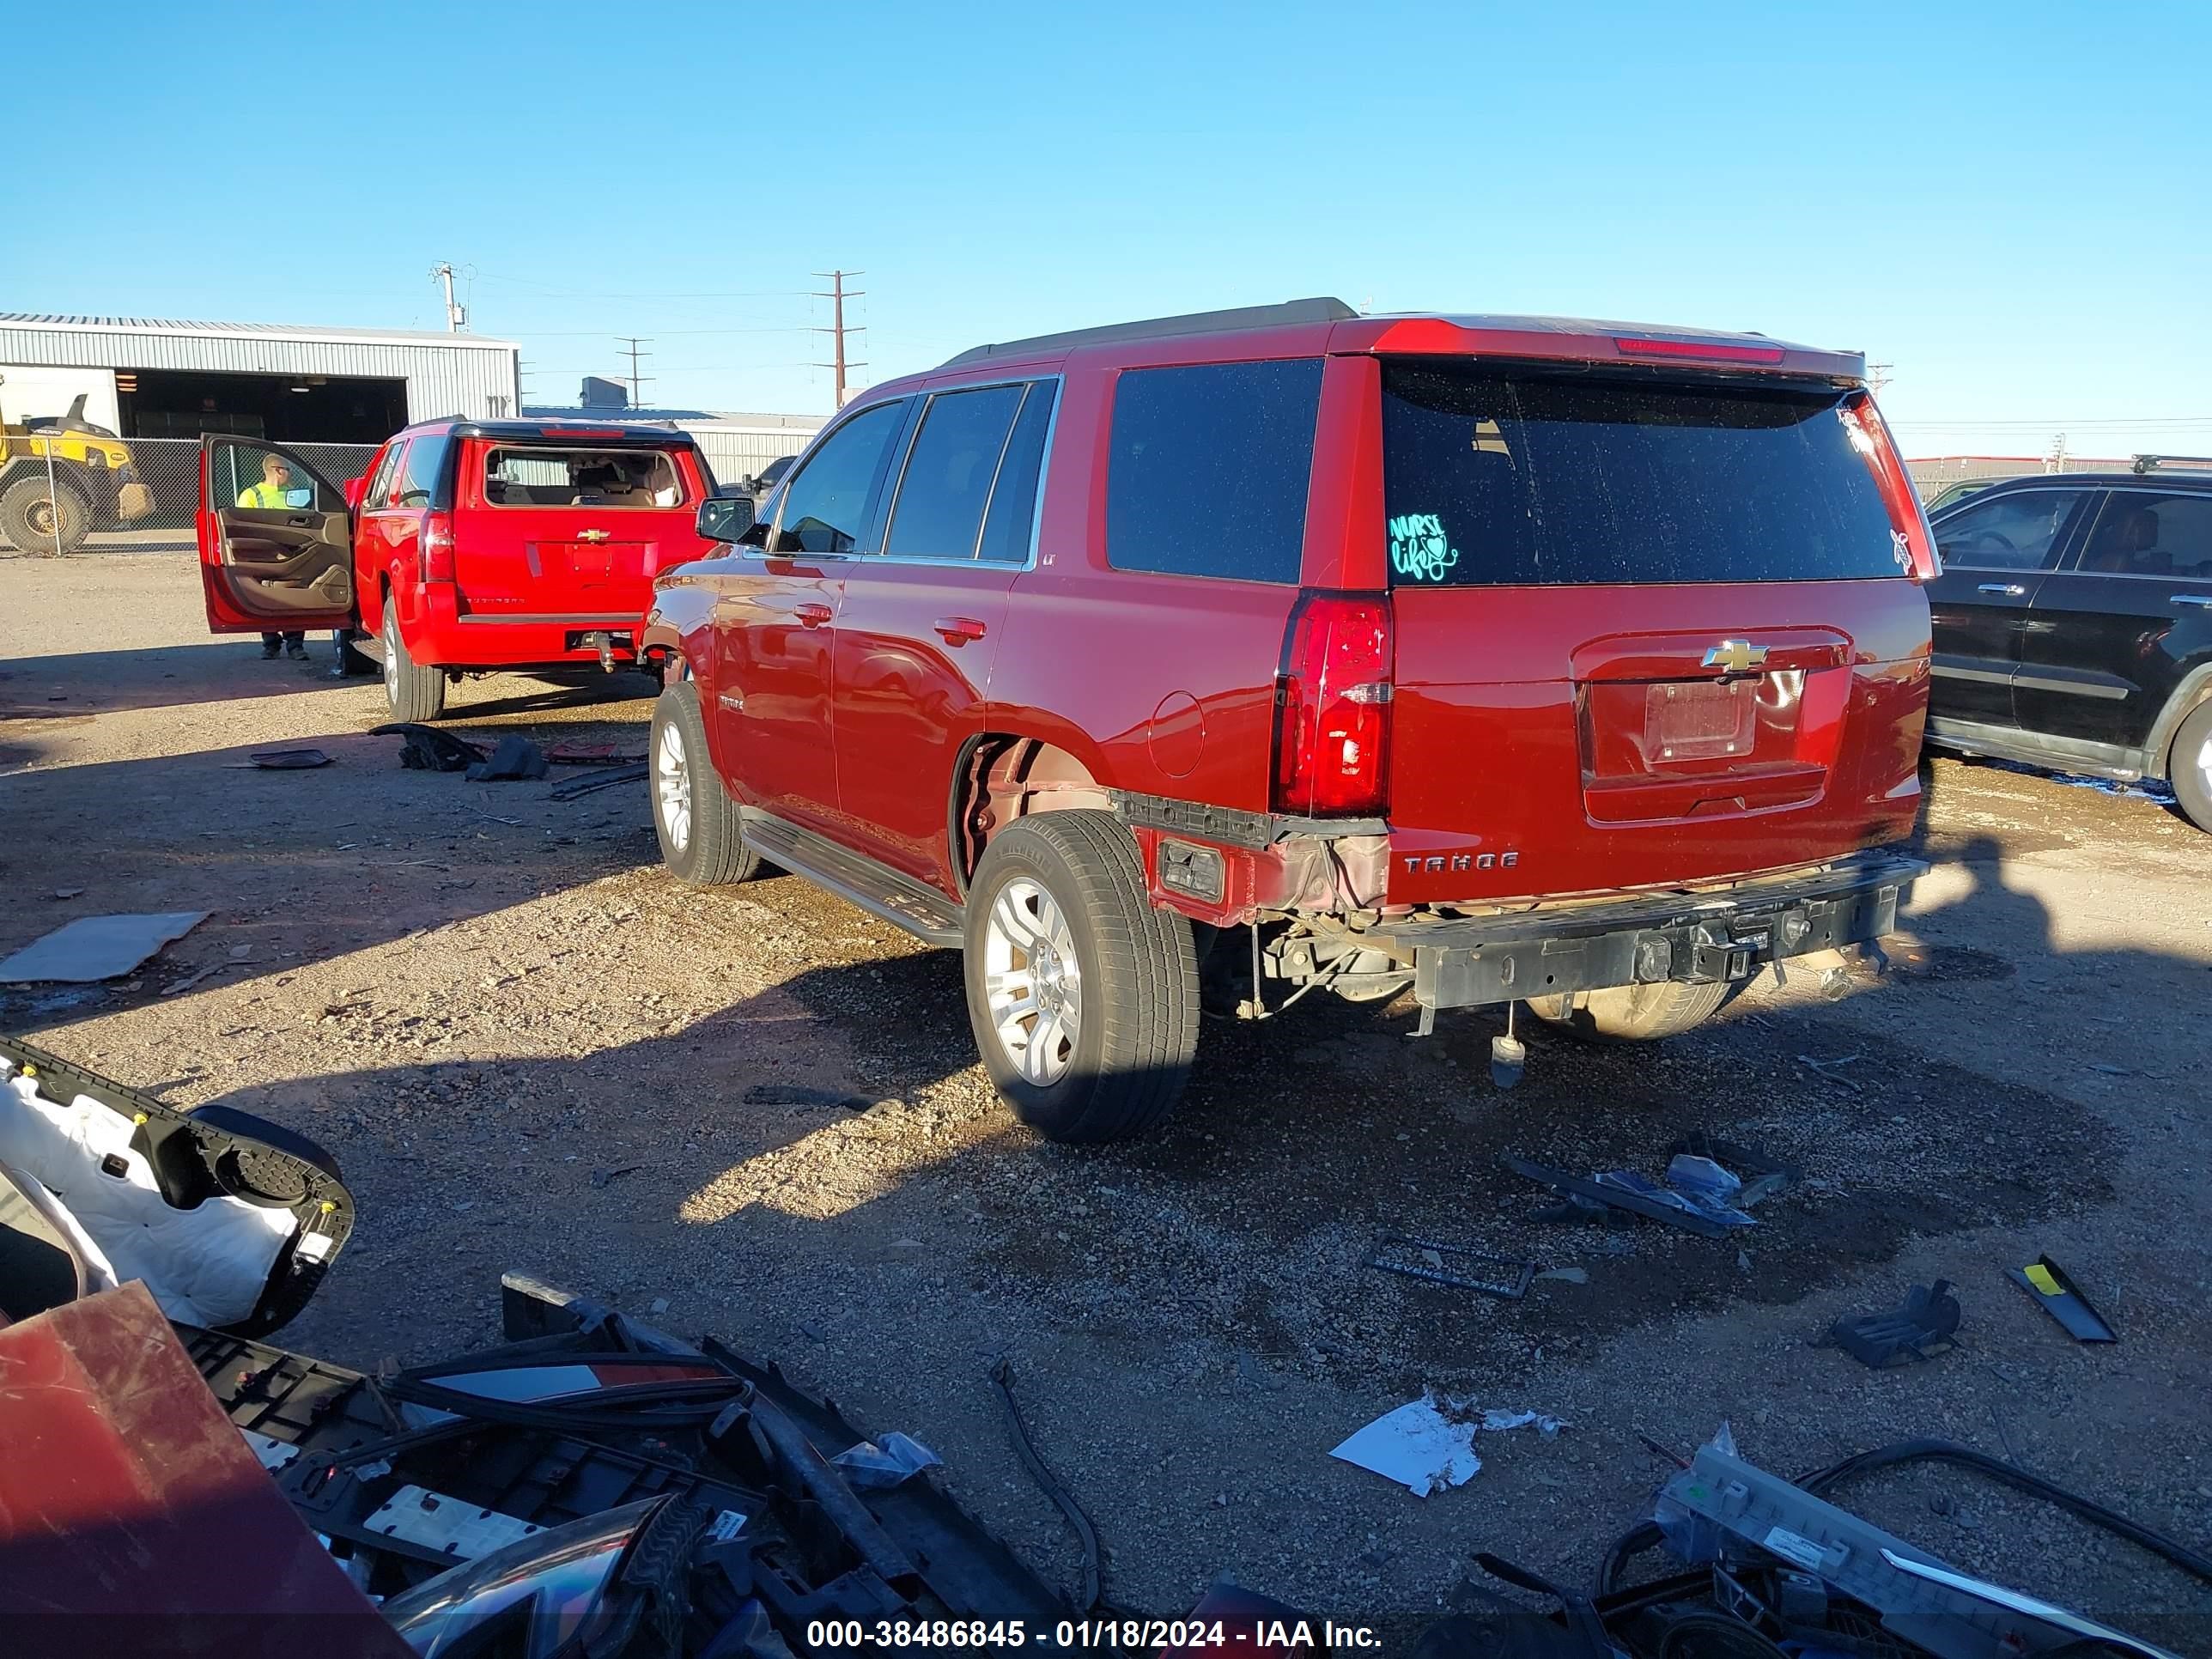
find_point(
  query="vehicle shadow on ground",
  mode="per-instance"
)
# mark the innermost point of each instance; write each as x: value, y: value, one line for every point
x: 160, y: 676
x: 231, y: 669
x: 297, y: 867
x: 737, y: 1145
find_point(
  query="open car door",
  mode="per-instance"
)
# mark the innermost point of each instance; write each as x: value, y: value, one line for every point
x: 276, y: 541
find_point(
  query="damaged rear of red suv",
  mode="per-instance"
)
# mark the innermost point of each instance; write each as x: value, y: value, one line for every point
x: 1503, y: 660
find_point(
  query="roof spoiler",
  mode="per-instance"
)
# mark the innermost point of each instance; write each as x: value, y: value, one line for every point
x: 1288, y: 314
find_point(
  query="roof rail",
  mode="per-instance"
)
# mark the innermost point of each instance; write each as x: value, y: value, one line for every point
x: 1291, y: 313
x: 2143, y: 464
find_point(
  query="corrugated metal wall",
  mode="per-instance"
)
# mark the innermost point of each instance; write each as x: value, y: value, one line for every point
x: 740, y: 453
x: 475, y: 380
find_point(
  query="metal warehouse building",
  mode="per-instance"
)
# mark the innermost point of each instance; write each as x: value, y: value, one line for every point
x: 145, y: 378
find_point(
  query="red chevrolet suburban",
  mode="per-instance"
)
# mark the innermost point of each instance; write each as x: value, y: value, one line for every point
x: 468, y: 547
x: 1574, y: 665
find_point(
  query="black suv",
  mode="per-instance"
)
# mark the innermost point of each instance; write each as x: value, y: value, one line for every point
x: 2073, y: 628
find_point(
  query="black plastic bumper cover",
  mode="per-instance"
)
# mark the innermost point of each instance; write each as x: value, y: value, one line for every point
x: 1694, y: 937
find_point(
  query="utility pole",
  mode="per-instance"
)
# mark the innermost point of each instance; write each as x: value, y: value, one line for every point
x: 837, y: 295
x: 456, y: 316
x: 1878, y: 375
x: 632, y: 342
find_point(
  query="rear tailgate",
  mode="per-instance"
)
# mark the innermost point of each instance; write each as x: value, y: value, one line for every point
x: 571, y: 530
x: 1649, y: 630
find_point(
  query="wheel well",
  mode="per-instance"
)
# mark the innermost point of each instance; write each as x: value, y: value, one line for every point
x: 1004, y: 776
x: 2192, y: 695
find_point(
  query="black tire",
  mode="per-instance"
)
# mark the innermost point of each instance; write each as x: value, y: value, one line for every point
x: 2189, y: 767
x: 1136, y: 1026
x: 413, y: 692
x: 30, y: 516
x: 702, y: 847
x: 1632, y: 1013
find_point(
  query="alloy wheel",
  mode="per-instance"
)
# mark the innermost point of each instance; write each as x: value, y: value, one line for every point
x: 671, y: 786
x: 1032, y: 981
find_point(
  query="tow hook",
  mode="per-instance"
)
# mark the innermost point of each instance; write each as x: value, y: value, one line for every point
x: 605, y: 642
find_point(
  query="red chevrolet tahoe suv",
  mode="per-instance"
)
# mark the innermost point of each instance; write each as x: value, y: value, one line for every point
x: 470, y: 546
x: 1221, y: 658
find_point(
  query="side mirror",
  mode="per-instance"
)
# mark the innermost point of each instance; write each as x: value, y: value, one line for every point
x: 354, y: 488
x: 724, y: 518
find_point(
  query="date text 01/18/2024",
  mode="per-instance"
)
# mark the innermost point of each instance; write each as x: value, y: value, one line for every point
x: 1129, y: 1635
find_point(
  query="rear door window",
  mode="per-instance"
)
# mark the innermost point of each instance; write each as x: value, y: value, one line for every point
x: 2021, y: 531
x: 1493, y: 477
x: 423, y: 480
x: 1209, y: 469
x: 1012, y: 525
x: 826, y: 503
x: 2141, y: 534
x: 938, y: 513
x: 545, y: 475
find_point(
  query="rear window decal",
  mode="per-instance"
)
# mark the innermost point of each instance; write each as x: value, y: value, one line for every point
x: 1419, y: 548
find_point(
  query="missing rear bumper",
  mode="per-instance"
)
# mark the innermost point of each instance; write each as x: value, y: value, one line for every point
x: 1698, y: 938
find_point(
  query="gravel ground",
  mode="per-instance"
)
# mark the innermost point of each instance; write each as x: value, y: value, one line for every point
x: 531, y: 1049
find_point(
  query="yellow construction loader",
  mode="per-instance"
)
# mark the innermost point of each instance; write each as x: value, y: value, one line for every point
x: 59, y: 476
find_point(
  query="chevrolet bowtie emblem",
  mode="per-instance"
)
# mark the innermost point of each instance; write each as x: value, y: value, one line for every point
x: 1735, y: 656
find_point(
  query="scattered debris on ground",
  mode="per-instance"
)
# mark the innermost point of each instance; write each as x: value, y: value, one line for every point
x: 2058, y: 1295
x: 428, y: 748
x: 515, y: 759
x: 280, y: 760
x: 1920, y: 1328
x: 1433, y: 1261
x: 93, y: 948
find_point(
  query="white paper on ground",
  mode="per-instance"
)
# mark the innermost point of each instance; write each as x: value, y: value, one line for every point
x: 1417, y: 1446
x: 97, y: 947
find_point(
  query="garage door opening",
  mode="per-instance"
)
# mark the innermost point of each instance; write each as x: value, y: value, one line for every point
x: 313, y: 409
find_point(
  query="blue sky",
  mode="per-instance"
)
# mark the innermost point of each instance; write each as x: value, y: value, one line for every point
x: 2007, y: 202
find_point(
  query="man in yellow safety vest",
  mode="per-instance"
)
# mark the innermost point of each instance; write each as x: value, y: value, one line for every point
x: 274, y: 490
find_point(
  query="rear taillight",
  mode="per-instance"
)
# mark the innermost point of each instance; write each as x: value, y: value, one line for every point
x: 1332, y: 708
x: 1907, y: 523
x: 436, y: 543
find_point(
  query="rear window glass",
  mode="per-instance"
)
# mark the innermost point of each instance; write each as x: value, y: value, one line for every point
x: 938, y: 513
x: 1209, y: 469
x: 544, y: 477
x: 1502, y: 478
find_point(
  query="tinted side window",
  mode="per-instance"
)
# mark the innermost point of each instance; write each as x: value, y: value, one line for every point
x: 2018, y: 531
x: 1209, y: 469
x: 2140, y: 534
x: 939, y: 510
x: 826, y: 501
x: 378, y: 490
x: 422, y: 477
x: 1013, y: 499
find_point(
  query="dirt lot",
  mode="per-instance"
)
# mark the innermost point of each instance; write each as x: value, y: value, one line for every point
x: 530, y: 1050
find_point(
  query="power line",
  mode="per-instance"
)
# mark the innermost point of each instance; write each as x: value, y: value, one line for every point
x: 636, y: 399
x: 837, y: 295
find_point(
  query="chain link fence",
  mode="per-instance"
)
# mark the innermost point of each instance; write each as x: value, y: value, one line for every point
x: 147, y: 504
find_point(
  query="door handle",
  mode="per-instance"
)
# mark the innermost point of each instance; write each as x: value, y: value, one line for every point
x: 958, y: 630
x: 2010, y: 590
x: 2202, y: 599
x: 813, y: 615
